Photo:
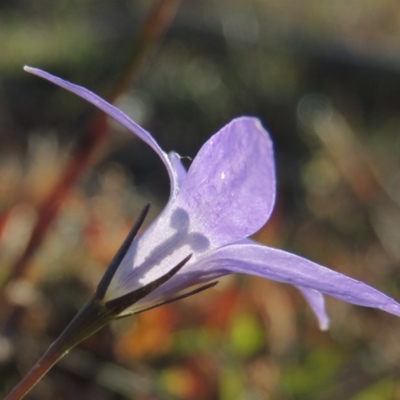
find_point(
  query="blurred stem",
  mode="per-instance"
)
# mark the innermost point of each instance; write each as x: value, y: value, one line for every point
x: 148, y: 40
x: 90, y: 319
x: 149, y: 37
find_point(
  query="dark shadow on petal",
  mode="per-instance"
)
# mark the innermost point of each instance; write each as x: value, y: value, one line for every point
x: 180, y: 222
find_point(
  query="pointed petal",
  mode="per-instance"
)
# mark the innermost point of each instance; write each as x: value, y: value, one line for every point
x: 285, y: 267
x: 316, y: 301
x: 114, y: 113
x: 229, y: 191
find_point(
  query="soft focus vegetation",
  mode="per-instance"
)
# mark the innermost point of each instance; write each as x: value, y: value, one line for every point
x: 324, y: 77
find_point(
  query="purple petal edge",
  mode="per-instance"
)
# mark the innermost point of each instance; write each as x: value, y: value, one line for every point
x: 114, y: 113
x: 316, y: 301
x: 180, y: 170
x: 285, y: 267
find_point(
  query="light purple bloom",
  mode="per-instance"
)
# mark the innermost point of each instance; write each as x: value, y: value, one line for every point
x: 227, y: 194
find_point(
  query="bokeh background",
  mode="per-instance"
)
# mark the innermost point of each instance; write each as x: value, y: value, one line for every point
x: 324, y: 78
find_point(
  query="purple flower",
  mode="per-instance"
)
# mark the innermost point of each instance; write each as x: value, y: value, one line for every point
x: 227, y: 194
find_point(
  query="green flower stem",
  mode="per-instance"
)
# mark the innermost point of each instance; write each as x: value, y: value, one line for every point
x: 90, y: 319
x: 94, y: 315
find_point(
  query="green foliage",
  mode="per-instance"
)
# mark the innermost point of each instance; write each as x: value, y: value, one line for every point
x: 246, y: 336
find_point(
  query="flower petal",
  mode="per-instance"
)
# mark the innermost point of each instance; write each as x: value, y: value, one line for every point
x: 180, y: 170
x: 285, y: 267
x: 314, y: 298
x: 316, y: 301
x: 229, y: 191
x: 114, y: 113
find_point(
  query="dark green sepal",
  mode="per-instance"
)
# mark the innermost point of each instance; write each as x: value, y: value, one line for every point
x: 116, y: 261
x: 91, y: 317
x: 118, y: 305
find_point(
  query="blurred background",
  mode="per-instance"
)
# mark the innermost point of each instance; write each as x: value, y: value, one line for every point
x: 324, y: 78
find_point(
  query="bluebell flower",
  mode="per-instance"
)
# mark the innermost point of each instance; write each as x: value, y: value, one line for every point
x: 202, y: 234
